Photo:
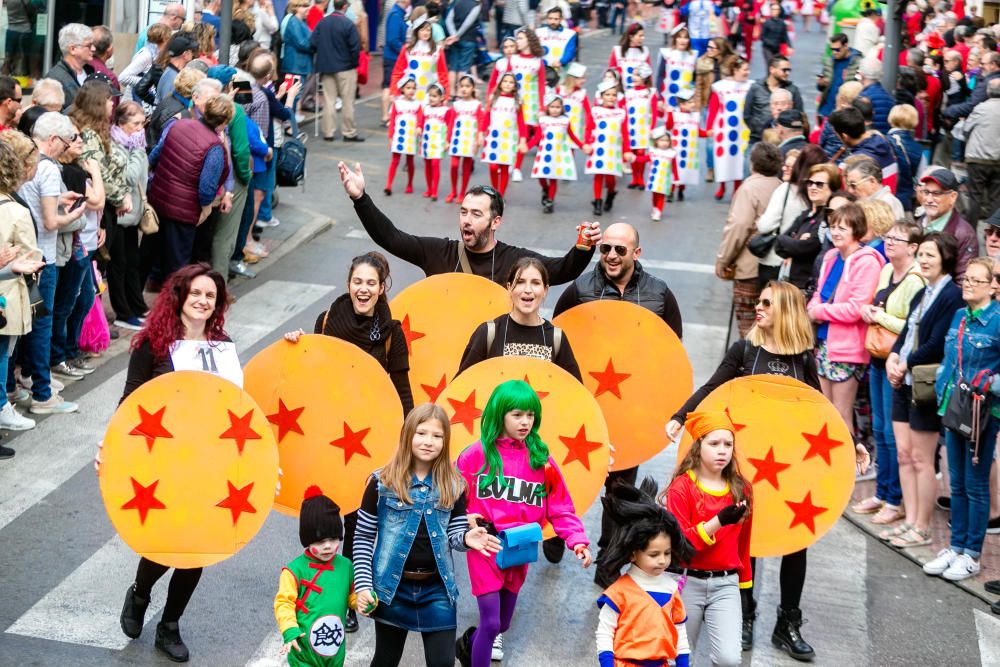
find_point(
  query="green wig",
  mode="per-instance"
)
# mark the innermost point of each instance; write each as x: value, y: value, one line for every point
x: 511, y: 395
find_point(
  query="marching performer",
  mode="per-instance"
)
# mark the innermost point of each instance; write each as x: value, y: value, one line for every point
x: 725, y: 124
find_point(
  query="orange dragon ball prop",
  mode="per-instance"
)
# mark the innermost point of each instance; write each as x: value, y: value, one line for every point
x: 635, y: 366
x: 334, y: 412
x: 189, y: 469
x: 436, y: 343
x: 795, y: 449
x: 572, y: 424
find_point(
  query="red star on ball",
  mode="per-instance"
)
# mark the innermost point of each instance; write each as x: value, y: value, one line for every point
x: 151, y: 426
x: 820, y: 444
x: 352, y: 442
x: 238, y: 501
x: 144, y: 499
x: 768, y: 468
x: 239, y: 429
x: 466, y: 411
x: 609, y: 380
x: 805, y: 513
x: 579, y: 447
x: 434, y: 391
x: 736, y: 427
x: 286, y: 420
x: 410, y: 334
x: 541, y: 394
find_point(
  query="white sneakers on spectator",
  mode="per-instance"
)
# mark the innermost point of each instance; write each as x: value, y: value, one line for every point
x: 498, y: 648
x: 132, y: 324
x: 26, y: 382
x: 963, y: 567
x: 67, y: 372
x: 266, y: 224
x: 517, y: 177
x: 12, y: 420
x: 338, y: 105
x: 54, y: 406
x: 941, y: 562
x: 20, y: 395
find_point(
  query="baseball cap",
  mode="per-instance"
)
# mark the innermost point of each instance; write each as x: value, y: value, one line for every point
x: 791, y: 119
x: 221, y: 73
x: 994, y: 219
x: 178, y: 44
x: 943, y: 177
x: 105, y: 79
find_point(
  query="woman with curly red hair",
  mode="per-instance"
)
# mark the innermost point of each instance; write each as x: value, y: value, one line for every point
x: 184, y: 331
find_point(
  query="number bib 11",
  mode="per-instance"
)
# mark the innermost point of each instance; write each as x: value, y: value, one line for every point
x: 218, y: 358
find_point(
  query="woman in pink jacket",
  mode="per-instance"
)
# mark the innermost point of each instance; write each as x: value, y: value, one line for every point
x: 848, y: 280
x: 512, y: 481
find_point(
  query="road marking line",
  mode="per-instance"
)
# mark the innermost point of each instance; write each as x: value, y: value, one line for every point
x: 988, y: 631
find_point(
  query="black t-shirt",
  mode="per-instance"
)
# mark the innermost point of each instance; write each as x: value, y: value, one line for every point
x: 513, y: 339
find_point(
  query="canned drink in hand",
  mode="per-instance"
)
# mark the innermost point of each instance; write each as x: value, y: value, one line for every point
x: 583, y: 242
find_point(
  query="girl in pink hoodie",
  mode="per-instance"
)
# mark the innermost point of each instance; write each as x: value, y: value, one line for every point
x: 512, y: 481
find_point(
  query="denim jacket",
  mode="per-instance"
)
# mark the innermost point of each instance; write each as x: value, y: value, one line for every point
x: 980, y: 349
x: 397, y: 528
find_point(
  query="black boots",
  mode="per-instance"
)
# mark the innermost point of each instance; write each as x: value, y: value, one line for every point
x: 547, y: 205
x: 168, y: 640
x: 749, y: 616
x: 351, y: 621
x: 463, y: 647
x: 133, y: 613
x: 554, y: 548
x: 609, y: 200
x: 598, y: 206
x: 786, y: 635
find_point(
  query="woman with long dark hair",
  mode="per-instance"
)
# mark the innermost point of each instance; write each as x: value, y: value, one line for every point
x: 802, y: 242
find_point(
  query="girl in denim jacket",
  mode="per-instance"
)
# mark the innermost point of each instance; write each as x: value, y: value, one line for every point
x: 412, y: 516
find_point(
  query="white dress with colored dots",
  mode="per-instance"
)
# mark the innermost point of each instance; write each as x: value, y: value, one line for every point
x: 404, y: 128
x: 434, y: 133
x: 628, y: 62
x: 526, y: 70
x: 502, y: 135
x: 731, y: 134
x: 554, y: 43
x: 422, y: 66
x: 555, y: 157
x: 465, y: 132
x: 678, y: 74
x: 666, y: 20
x: 639, y: 114
x: 686, y: 143
x: 607, y: 157
x: 660, y: 177
x: 574, y: 104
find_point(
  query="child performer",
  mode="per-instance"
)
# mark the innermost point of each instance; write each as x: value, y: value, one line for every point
x: 529, y: 68
x: 403, y: 131
x: 316, y: 589
x: 629, y: 53
x: 684, y: 124
x: 513, y: 481
x: 640, y: 115
x: 508, y: 47
x: 712, y: 502
x: 663, y: 170
x: 642, y: 618
x: 415, y: 506
x: 614, y: 77
x: 434, y: 120
x: 466, y: 135
x: 675, y: 70
x: 554, y: 161
x: 506, y: 133
x: 608, y: 138
x: 422, y: 60
x: 574, y: 97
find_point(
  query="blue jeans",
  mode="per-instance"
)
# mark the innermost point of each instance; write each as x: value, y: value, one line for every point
x: 6, y: 342
x: 887, y: 478
x: 245, y: 223
x: 84, y: 302
x: 970, y: 489
x: 34, y: 347
x: 266, y: 182
x: 617, y: 17
x: 68, y: 284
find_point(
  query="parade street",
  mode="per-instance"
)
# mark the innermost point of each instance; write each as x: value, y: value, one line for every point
x: 65, y: 570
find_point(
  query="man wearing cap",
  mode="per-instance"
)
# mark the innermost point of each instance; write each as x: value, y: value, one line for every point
x: 478, y: 251
x: 558, y: 41
x: 882, y: 101
x: 790, y: 131
x: 338, y: 49
x: 991, y: 237
x: 982, y: 154
x: 940, y: 192
x: 182, y: 49
x: 76, y: 42
x: 757, y: 109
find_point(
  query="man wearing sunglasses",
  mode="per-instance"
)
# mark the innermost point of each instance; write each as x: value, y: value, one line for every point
x: 940, y: 193
x: 757, y: 109
x: 478, y: 251
x: 991, y: 237
x: 619, y: 276
x: 10, y: 102
x: 841, y: 66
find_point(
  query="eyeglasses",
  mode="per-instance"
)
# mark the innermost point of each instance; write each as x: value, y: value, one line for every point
x: 936, y: 194
x: 16, y: 100
x: 895, y: 239
x: 996, y: 277
x: 992, y: 231
x: 605, y: 248
x: 766, y: 303
x: 816, y: 184
x: 711, y: 46
x: 786, y: 70
x: 972, y: 282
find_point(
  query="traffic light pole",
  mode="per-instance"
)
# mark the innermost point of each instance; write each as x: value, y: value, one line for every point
x: 893, y: 35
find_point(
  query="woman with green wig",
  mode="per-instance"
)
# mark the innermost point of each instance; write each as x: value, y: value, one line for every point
x: 512, y: 481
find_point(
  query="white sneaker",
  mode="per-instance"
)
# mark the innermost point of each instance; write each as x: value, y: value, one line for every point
x: 54, y: 406
x: 655, y: 214
x: 940, y: 563
x: 20, y: 395
x: 516, y: 176
x: 26, y: 382
x: 338, y: 105
x: 497, y: 648
x: 13, y: 420
x: 963, y: 567
x: 67, y: 372
x: 266, y: 224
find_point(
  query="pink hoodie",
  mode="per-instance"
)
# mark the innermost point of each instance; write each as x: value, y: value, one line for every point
x: 845, y: 340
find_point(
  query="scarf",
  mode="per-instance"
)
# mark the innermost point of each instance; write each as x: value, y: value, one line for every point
x: 368, y: 333
x: 128, y: 141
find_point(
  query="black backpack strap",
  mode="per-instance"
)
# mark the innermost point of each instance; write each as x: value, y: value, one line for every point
x: 747, y: 364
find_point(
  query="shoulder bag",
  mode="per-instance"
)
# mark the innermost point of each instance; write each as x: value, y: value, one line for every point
x: 760, y: 245
x: 878, y: 339
x: 149, y: 223
x: 35, y: 300
x: 924, y: 375
x: 968, y: 411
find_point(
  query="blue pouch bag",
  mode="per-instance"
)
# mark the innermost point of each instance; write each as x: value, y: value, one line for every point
x: 520, y: 545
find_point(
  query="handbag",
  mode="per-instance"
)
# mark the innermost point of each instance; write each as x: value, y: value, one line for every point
x: 879, y: 341
x: 362, y: 68
x: 35, y: 299
x: 923, y: 376
x: 149, y: 223
x: 760, y: 245
x: 968, y: 411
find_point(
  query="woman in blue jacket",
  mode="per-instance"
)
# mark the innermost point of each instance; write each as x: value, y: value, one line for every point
x: 296, y: 51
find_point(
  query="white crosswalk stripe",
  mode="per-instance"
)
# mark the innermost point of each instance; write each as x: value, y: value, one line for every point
x: 80, y: 609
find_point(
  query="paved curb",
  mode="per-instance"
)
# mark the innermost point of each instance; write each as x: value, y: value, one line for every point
x: 919, y: 555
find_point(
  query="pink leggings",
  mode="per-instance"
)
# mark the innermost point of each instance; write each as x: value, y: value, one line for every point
x: 495, y: 611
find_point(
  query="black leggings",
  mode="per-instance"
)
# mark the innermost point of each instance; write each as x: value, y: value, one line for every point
x: 182, y: 585
x: 439, y: 647
x: 792, y: 578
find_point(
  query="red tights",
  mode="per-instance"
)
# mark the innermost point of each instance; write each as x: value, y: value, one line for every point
x: 658, y: 200
x: 603, y: 180
x: 530, y: 132
x: 393, y: 164
x: 639, y: 167
x: 467, y: 163
x: 549, y: 187
x: 499, y: 177
x: 432, y: 172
